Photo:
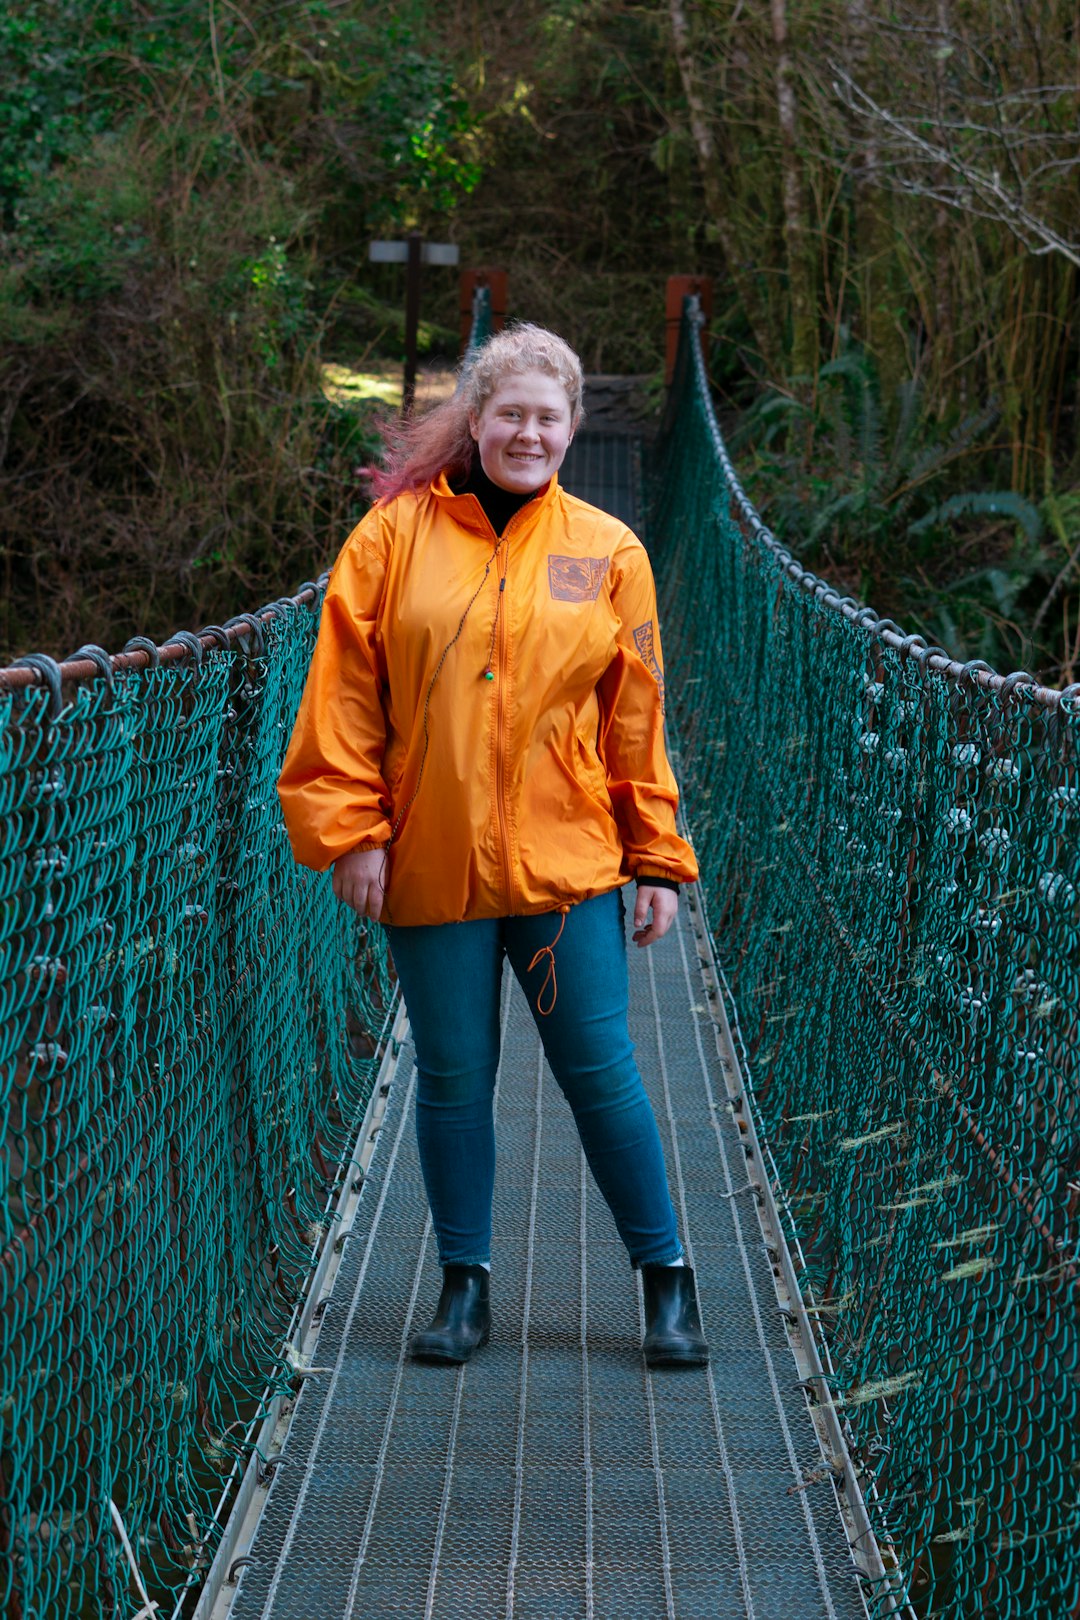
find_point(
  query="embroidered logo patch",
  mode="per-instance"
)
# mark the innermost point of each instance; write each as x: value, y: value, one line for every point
x: 576, y: 579
x: 645, y: 642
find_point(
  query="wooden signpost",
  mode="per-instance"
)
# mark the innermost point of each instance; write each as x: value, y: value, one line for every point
x: 412, y: 253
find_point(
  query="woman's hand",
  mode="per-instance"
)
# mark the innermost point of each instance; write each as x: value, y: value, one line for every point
x: 358, y: 881
x: 664, y: 903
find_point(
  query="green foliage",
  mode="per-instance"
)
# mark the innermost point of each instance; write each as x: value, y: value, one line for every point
x: 71, y: 72
x: 833, y: 481
x: 187, y: 190
x: 278, y: 298
x: 1000, y: 503
x: 425, y: 131
x: 182, y: 191
x: 881, y: 513
x: 81, y: 232
x: 46, y: 112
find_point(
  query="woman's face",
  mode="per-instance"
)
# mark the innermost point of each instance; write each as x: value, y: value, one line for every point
x: 523, y: 431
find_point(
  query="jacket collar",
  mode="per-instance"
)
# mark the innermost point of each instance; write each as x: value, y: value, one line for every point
x: 467, y: 512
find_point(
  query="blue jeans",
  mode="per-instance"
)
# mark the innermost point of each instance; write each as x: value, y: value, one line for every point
x: 450, y: 976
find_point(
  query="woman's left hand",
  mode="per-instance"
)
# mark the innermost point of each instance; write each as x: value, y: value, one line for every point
x: 358, y: 881
x: 663, y: 903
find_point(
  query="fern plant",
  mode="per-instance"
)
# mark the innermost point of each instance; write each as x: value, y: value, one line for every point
x: 879, y: 509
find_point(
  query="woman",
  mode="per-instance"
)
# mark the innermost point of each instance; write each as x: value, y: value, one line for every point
x: 479, y: 755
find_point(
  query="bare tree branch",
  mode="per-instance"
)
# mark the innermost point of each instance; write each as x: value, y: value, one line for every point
x: 975, y: 186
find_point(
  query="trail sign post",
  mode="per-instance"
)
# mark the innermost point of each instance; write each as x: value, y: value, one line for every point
x: 412, y: 253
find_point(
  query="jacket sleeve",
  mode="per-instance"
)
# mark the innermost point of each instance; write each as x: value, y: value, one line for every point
x: 639, y: 779
x: 331, y: 787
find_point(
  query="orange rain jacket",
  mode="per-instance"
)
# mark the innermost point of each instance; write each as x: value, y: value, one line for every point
x: 545, y: 785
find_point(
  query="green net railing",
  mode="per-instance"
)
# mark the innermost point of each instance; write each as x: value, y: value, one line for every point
x: 189, y: 1031
x: 482, y: 322
x: 890, y: 850
x: 188, y: 1023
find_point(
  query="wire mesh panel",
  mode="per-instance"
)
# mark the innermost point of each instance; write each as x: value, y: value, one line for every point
x: 184, y: 1017
x: 890, y: 845
x: 604, y: 468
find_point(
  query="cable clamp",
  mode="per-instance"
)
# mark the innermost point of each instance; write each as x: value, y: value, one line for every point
x: 749, y: 1187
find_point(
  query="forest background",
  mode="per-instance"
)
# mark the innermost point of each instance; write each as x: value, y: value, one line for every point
x: 886, y: 195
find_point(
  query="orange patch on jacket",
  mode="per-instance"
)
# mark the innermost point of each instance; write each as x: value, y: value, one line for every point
x: 576, y: 579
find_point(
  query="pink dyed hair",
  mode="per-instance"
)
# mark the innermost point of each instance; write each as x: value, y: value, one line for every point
x: 440, y: 440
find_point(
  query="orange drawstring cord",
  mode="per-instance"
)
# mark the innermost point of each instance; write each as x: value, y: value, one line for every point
x: 549, y: 951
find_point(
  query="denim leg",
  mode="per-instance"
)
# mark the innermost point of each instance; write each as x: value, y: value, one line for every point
x: 591, y: 1055
x: 450, y: 976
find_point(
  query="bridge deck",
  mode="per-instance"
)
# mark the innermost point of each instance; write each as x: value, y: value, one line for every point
x: 553, y: 1477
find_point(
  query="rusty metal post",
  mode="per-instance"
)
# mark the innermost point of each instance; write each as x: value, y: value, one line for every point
x: 678, y: 288
x: 483, y: 276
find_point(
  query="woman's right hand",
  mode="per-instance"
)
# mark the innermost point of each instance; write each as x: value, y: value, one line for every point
x: 358, y: 881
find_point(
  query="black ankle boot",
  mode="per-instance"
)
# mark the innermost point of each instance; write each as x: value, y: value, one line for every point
x: 673, y: 1336
x: 462, y: 1320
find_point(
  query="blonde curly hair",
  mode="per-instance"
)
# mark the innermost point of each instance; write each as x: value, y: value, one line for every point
x: 441, y: 440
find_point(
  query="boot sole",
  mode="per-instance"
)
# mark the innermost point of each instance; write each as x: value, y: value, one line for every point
x: 677, y: 1358
x: 434, y: 1357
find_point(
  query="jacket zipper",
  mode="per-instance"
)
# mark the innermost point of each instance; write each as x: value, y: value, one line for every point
x: 500, y: 765
x: 500, y: 727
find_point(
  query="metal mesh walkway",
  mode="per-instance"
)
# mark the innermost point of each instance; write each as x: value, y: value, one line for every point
x: 553, y: 1477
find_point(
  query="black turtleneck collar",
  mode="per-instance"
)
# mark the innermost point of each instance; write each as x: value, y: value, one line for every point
x: 499, y: 504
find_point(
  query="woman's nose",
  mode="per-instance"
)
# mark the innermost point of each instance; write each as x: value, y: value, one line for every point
x: 527, y: 430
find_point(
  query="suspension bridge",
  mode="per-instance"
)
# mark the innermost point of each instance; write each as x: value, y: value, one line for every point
x: 861, y: 1043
